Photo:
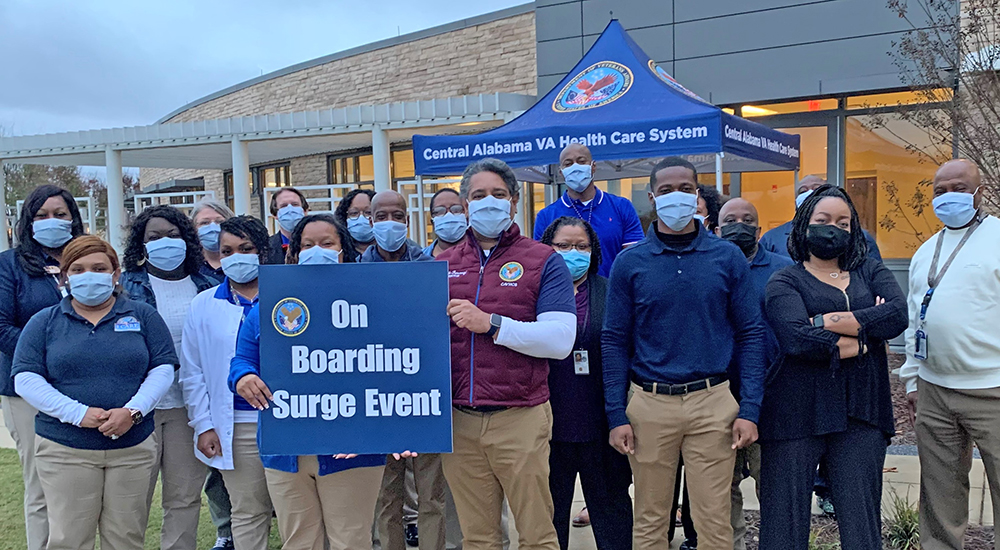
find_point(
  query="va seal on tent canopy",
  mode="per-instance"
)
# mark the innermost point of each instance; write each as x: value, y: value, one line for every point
x: 598, y: 84
x: 669, y: 80
x: 290, y: 317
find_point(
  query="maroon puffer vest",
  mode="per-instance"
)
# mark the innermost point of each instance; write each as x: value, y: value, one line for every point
x: 483, y: 373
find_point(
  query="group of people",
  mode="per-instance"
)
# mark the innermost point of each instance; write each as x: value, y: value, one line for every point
x: 596, y: 349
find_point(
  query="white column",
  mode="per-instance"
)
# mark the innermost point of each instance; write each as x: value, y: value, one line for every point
x: 241, y: 177
x: 421, y: 213
x: 116, y: 199
x: 522, y: 208
x: 4, y: 245
x: 718, y: 172
x: 380, y: 159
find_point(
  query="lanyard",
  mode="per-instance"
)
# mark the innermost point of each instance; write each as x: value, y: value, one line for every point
x: 933, y: 275
x: 590, y: 214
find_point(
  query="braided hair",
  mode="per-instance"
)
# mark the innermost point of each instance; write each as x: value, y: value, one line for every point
x: 251, y: 229
x: 135, y: 251
x: 348, y: 253
x: 345, y: 203
x: 29, y: 253
x: 595, y: 244
x: 857, y: 246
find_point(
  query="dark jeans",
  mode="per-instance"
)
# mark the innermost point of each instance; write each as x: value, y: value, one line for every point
x: 685, y: 507
x: 219, y: 507
x: 854, y: 461
x: 605, y: 476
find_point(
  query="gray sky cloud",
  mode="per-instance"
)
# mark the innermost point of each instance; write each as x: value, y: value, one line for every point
x: 72, y: 65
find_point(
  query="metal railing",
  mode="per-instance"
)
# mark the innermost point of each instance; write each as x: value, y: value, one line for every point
x: 188, y: 199
x: 319, y: 196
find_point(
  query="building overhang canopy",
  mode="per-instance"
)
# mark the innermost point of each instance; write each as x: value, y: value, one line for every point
x: 207, y: 144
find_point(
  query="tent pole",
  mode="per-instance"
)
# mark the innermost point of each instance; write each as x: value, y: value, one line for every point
x: 718, y: 172
x: 795, y: 181
x: 421, y: 214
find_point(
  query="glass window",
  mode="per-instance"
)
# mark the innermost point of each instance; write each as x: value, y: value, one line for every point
x: 790, y: 107
x: 898, y: 98
x: 227, y: 178
x: 366, y: 168
x: 402, y: 165
x: 889, y: 169
x: 273, y: 176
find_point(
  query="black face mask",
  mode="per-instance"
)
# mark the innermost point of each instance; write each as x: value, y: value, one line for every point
x: 742, y: 235
x: 827, y: 242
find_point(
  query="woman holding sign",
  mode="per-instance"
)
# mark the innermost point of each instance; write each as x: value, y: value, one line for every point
x: 225, y: 426
x: 579, y: 442
x: 320, y: 500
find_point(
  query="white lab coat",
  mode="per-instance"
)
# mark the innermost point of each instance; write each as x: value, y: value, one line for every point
x: 208, y: 345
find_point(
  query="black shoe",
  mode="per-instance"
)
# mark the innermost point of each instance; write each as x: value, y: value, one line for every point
x: 689, y: 544
x: 223, y: 544
x: 411, y: 535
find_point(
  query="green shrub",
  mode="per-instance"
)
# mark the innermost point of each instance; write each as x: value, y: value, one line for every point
x: 902, y: 524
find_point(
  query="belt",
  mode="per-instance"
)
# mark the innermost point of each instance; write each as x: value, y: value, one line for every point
x: 481, y: 409
x: 662, y: 388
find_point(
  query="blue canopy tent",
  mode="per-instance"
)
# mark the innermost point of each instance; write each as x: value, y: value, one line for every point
x: 629, y: 112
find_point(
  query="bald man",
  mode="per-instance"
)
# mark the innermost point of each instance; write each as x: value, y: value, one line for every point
x: 776, y: 240
x: 613, y: 218
x: 738, y: 224
x: 953, y: 355
x: 390, y: 224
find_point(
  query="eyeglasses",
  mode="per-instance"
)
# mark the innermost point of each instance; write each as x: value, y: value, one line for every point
x: 353, y: 214
x: 566, y: 247
x: 441, y: 211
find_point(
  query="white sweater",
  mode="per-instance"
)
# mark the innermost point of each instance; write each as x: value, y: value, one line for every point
x: 963, y: 319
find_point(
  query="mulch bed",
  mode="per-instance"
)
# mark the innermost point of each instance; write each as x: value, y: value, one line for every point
x: 828, y: 536
x: 904, y: 429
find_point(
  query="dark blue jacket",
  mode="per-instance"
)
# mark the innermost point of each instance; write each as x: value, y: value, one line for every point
x: 776, y: 240
x: 413, y: 254
x: 680, y: 315
x: 21, y: 296
x: 136, y: 284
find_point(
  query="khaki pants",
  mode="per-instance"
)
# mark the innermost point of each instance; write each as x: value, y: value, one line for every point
x: 90, y: 490
x: 699, y: 425
x: 504, y: 453
x: 251, y: 504
x: 948, y: 422
x: 749, y: 457
x: 430, y: 484
x: 336, y: 507
x: 19, y: 417
x: 183, y: 478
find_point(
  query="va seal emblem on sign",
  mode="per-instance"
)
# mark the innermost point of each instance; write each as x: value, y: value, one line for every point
x: 669, y: 80
x: 290, y: 317
x: 598, y: 84
x: 511, y: 271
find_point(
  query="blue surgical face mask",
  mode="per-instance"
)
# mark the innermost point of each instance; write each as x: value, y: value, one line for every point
x: 52, y: 232
x: 360, y: 229
x: 577, y: 262
x: 451, y: 227
x: 578, y: 176
x: 91, y: 289
x: 166, y: 253
x: 389, y: 235
x: 954, y: 209
x: 490, y: 216
x: 677, y: 209
x: 290, y: 215
x: 241, y: 268
x: 801, y: 197
x: 318, y: 255
x: 209, y: 236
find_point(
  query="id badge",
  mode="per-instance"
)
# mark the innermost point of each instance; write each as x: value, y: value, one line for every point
x: 920, y: 344
x: 581, y: 362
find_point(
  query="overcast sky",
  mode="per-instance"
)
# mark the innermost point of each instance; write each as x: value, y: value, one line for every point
x: 71, y: 65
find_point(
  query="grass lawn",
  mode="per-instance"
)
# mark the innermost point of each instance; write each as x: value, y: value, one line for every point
x: 12, y: 518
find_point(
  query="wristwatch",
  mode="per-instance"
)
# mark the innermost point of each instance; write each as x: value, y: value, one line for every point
x: 494, y: 325
x: 136, y: 416
x: 818, y: 321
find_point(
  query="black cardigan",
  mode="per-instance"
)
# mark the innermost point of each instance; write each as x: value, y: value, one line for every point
x: 811, y: 391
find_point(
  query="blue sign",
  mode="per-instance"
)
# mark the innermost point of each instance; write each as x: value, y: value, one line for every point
x: 357, y: 357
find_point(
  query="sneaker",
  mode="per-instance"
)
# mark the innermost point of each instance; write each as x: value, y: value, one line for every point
x: 826, y: 505
x: 689, y: 544
x: 223, y: 543
x: 412, y: 538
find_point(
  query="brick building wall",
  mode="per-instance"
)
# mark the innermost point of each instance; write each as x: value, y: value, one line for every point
x: 496, y: 56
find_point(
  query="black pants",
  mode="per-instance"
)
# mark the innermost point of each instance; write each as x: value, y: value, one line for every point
x: 681, y: 487
x: 854, y: 461
x: 605, y: 476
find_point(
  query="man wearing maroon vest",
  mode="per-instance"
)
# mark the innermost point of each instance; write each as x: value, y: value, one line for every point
x: 512, y: 309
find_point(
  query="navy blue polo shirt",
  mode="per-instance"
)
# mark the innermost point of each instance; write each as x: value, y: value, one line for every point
x: 613, y: 218
x: 776, y: 240
x: 680, y: 315
x: 99, y: 366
